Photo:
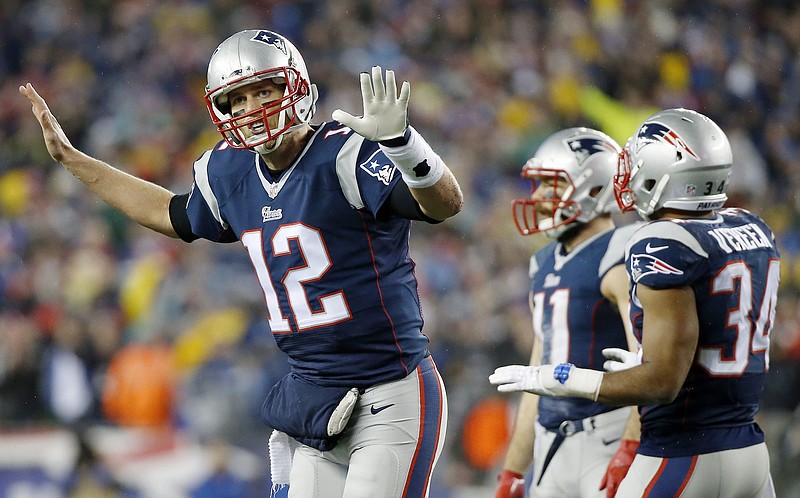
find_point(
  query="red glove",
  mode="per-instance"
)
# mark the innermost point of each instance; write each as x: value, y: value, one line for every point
x: 618, y: 466
x: 510, y: 485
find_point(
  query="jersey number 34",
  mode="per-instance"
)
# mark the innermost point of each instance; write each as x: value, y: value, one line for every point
x: 752, y: 334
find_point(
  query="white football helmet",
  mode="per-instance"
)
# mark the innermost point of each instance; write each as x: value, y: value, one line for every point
x: 248, y: 57
x: 576, y: 166
x: 677, y: 159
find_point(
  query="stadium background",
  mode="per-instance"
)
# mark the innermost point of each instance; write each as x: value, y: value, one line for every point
x: 142, y: 361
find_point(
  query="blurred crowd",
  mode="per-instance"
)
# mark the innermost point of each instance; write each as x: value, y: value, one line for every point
x: 105, y: 325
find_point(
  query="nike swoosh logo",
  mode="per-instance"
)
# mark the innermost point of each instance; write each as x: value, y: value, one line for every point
x: 610, y: 441
x: 650, y: 249
x: 379, y: 409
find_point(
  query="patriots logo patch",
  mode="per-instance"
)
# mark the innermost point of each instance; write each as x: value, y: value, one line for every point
x: 657, y: 132
x: 585, y: 147
x: 382, y: 172
x: 270, y: 38
x: 647, y: 264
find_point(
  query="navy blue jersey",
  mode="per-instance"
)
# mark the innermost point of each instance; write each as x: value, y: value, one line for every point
x: 338, y: 282
x: 732, y: 265
x: 572, y: 318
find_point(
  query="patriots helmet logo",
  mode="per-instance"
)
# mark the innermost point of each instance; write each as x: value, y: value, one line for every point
x: 647, y: 264
x: 270, y: 38
x: 585, y: 147
x: 657, y: 132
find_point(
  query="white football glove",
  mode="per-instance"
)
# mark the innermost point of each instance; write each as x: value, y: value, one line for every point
x: 341, y: 414
x: 385, y: 113
x: 513, y: 378
x: 564, y: 379
x: 620, y: 359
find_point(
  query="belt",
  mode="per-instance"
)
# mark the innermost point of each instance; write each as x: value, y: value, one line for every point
x: 570, y: 427
x: 566, y: 429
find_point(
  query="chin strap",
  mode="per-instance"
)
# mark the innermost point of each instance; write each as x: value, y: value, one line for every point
x: 264, y: 150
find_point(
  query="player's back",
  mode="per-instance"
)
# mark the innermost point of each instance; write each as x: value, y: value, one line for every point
x: 732, y: 265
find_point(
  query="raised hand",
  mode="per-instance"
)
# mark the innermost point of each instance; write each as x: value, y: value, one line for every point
x: 385, y: 113
x: 54, y: 138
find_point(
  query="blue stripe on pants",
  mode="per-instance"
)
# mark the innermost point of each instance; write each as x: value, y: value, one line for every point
x: 672, y: 477
x: 431, y: 406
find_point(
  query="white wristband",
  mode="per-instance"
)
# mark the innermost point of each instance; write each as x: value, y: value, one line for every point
x: 420, y: 166
x: 566, y: 379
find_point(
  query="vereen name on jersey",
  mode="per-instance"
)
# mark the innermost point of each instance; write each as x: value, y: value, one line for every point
x: 742, y: 238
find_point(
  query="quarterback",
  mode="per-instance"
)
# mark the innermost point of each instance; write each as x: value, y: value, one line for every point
x: 323, y: 212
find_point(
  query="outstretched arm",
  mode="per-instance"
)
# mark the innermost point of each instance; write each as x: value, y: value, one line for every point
x: 385, y: 121
x: 669, y: 341
x: 144, y: 202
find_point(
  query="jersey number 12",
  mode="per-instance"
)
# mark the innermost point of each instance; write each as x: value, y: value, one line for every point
x: 333, y: 306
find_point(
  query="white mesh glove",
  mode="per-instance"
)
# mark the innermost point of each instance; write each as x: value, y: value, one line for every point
x: 564, y: 379
x: 620, y: 359
x: 385, y: 113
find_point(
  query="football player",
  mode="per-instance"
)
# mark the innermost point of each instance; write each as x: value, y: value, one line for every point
x: 579, y: 302
x: 324, y: 213
x: 704, y: 285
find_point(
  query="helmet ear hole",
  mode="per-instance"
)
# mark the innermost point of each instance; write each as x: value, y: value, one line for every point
x: 649, y: 184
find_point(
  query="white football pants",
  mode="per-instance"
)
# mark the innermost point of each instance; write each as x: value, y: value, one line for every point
x: 739, y: 473
x: 389, y: 447
x: 578, y: 466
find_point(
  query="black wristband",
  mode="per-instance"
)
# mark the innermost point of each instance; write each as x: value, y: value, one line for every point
x: 398, y: 141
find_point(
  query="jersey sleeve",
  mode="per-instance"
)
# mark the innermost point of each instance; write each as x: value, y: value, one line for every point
x: 366, y: 175
x: 615, y: 251
x: 202, y: 208
x: 665, y: 255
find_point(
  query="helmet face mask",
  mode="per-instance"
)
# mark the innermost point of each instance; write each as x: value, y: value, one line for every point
x: 678, y: 159
x: 550, y: 205
x: 622, y: 180
x: 571, y: 182
x: 249, y: 57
